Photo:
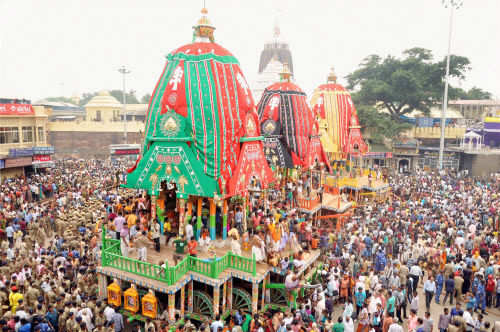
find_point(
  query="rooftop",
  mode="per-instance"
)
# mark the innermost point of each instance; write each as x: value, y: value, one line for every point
x: 104, y: 99
x: 484, y: 102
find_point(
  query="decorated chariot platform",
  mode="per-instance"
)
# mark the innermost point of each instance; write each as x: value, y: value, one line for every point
x: 199, y: 287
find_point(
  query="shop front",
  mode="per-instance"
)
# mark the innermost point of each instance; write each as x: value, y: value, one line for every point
x: 128, y: 151
x: 14, y: 167
x: 42, y: 157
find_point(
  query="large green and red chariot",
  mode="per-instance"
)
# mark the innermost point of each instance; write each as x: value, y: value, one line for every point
x: 202, y: 132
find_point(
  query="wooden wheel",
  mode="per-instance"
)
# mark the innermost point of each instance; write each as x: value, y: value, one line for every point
x: 202, y: 304
x: 242, y: 300
x: 279, y: 296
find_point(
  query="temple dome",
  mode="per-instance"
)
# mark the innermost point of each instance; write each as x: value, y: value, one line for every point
x: 333, y: 106
x: 103, y: 100
x: 202, y: 97
x: 284, y: 113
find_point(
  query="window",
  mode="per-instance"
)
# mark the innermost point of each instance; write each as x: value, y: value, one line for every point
x: 41, y: 135
x: 27, y: 134
x: 9, y: 135
x: 98, y: 115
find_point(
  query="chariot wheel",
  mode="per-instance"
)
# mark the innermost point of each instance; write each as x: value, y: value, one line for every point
x: 242, y: 300
x: 279, y: 296
x: 202, y: 304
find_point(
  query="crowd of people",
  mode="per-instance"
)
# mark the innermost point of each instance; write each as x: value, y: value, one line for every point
x: 427, y: 258
x: 49, y: 250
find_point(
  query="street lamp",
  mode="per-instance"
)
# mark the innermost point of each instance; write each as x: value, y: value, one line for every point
x: 452, y: 4
x: 124, y: 71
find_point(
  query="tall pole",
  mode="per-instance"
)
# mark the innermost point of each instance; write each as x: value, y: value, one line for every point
x: 454, y: 4
x: 124, y: 71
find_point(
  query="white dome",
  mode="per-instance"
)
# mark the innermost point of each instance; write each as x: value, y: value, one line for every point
x: 105, y: 100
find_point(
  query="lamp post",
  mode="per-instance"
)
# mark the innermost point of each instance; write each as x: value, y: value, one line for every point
x: 124, y: 71
x: 452, y: 4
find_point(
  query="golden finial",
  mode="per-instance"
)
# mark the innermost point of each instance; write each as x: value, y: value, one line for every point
x: 332, y: 78
x: 204, y: 28
x: 285, y: 73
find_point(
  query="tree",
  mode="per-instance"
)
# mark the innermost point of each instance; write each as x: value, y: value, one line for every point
x: 86, y: 97
x: 146, y: 98
x: 476, y: 93
x: 402, y: 85
x: 131, y: 98
x: 379, y: 126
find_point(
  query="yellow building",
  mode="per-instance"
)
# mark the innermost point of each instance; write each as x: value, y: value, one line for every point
x: 103, y: 108
x: 23, y: 138
x: 103, y: 125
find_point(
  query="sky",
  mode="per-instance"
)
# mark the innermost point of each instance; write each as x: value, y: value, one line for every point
x: 67, y: 47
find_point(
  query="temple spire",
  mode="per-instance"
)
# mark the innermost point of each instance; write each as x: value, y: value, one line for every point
x: 332, y: 77
x: 204, y: 29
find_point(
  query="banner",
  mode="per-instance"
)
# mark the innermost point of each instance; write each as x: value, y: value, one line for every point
x: 43, y: 150
x: 126, y: 152
x: 16, y: 109
x: 25, y: 152
x: 18, y: 162
x: 41, y: 158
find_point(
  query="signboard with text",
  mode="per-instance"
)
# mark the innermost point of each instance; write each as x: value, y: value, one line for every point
x: 43, y: 150
x: 16, y: 109
x: 25, y: 152
x: 41, y: 158
x: 18, y: 162
x: 126, y: 152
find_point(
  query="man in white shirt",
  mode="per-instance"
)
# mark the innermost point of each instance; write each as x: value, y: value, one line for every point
x: 415, y: 274
x: 469, y: 321
x: 429, y: 289
x: 108, y: 313
x: 189, y: 232
x: 348, y: 324
x: 395, y: 327
x: 216, y: 324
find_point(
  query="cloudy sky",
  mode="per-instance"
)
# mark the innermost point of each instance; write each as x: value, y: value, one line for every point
x: 63, y: 47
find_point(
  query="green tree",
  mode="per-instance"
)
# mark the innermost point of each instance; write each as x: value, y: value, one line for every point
x: 402, y: 85
x: 145, y: 99
x: 86, y: 97
x: 379, y: 126
x: 131, y: 98
x: 476, y: 93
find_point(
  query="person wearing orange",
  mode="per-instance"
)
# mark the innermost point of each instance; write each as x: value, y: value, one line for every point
x: 344, y: 287
x: 314, y: 242
x: 192, y: 245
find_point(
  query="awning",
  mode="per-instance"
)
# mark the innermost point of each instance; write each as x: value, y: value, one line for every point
x: 43, y: 164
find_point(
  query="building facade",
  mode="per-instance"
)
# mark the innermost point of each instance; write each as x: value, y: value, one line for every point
x: 23, y: 139
x: 103, y: 125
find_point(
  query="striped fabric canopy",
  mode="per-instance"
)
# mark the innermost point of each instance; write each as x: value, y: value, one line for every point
x: 335, y: 109
x: 203, y: 86
x: 285, y: 104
